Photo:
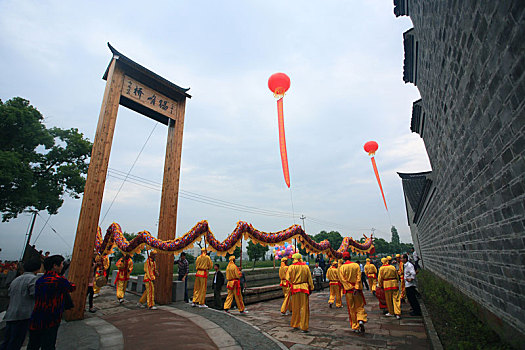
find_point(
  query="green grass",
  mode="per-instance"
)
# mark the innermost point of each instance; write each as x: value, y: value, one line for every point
x: 455, y: 317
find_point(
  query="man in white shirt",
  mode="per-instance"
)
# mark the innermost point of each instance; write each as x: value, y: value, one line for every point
x: 410, y: 286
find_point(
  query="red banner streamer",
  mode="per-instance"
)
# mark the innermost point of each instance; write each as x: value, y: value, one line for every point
x: 282, y: 142
x: 379, y: 181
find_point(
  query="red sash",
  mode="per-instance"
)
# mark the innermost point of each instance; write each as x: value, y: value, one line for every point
x: 236, y: 284
x: 198, y: 274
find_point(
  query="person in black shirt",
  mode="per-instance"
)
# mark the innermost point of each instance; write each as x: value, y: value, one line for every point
x: 184, y: 269
x: 218, y: 282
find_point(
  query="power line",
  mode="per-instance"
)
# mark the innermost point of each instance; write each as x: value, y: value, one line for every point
x: 55, y: 231
x: 130, y: 169
x: 42, y: 229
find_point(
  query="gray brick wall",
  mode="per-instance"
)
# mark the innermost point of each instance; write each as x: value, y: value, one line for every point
x: 470, y: 73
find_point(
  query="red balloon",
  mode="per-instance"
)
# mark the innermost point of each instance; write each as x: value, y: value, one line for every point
x: 279, y: 83
x: 371, y: 147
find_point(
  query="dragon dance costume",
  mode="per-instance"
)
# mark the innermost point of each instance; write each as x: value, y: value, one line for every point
x: 203, y: 264
x: 301, y: 285
x: 285, y: 285
x: 125, y: 266
x: 233, y: 275
x: 335, y: 285
x: 350, y: 277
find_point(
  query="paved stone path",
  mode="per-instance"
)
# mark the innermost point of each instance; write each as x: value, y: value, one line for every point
x: 330, y: 328
x: 127, y: 326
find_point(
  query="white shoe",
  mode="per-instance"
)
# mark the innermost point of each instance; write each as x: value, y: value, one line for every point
x: 398, y: 317
x: 244, y: 312
x: 193, y: 304
x: 287, y: 313
x: 141, y: 305
x: 203, y: 306
x: 121, y: 301
x: 95, y: 296
x: 153, y: 307
x: 388, y: 314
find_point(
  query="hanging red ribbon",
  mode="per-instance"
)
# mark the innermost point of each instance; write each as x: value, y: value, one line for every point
x: 371, y: 148
x: 379, y: 181
x: 282, y: 142
x: 279, y: 83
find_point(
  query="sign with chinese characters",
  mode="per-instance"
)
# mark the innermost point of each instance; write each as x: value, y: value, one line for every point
x: 149, y: 98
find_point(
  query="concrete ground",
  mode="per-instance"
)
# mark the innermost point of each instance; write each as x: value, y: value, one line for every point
x: 128, y: 326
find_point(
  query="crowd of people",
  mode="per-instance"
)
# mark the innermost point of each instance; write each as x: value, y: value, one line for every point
x: 40, y: 295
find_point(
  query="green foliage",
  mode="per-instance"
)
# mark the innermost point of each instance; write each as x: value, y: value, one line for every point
x: 137, y: 258
x: 190, y: 258
x: 37, y: 165
x: 333, y: 237
x: 455, y: 316
x: 256, y: 251
x: 395, y: 235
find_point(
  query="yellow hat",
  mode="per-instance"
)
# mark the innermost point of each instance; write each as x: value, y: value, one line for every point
x: 334, y: 262
x: 389, y: 257
x: 398, y: 256
x: 284, y: 259
x: 203, y: 249
x: 231, y: 258
x: 367, y: 259
x: 297, y: 256
x: 340, y: 261
x: 383, y: 260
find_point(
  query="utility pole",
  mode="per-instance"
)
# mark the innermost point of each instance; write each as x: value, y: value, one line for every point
x: 302, y: 218
x: 30, y: 233
x: 373, y: 230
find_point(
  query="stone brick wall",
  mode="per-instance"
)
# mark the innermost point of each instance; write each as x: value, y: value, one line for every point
x: 469, y: 69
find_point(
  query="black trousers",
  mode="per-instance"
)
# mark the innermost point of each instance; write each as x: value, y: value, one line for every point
x: 15, y: 334
x: 186, y: 299
x: 217, y: 298
x: 318, y: 283
x: 364, y: 279
x: 412, y: 299
x: 90, y: 293
x: 44, y: 339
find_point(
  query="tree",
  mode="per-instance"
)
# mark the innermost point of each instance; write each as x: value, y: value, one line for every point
x: 333, y: 237
x: 395, y: 235
x: 256, y: 251
x: 37, y: 165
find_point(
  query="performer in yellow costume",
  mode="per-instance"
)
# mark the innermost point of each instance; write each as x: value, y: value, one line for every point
x: 202, y: 265
x: 350, y: 277
x: 286, y: 307
x: 401, y: 273
x: 125, y: 266
x: 233, y: 275
x: 371, y: 274
x: 340, y: 263
x: 301, y: 285
x: 150, y: 273
x: 389, y: 280
x: 101, y: 270
x: 335, y: 286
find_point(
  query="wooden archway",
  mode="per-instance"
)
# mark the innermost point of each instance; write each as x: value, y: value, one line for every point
x: 133, y: 86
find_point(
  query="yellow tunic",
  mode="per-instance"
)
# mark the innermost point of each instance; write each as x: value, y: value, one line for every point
x: 350, y: 277
x: 285, y: 285
x: 389, y: 280
x: 301, y: 284
x: 335, y: 286
x: 101, y: 271
x: 150, y: 270
x: 233, y: 275
x: 202, y: 265
x: 124, y: 270
x: 371, y: 274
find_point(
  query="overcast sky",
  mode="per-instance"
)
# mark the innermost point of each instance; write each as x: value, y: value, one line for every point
x: 345, y: 61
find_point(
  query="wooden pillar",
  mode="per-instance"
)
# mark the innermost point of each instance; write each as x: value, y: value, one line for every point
x: 168, y: 204
x: 94, y: 190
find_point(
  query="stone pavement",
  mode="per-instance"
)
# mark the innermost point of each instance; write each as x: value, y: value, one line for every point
x: 127, y: 326
x: 330, y: 328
